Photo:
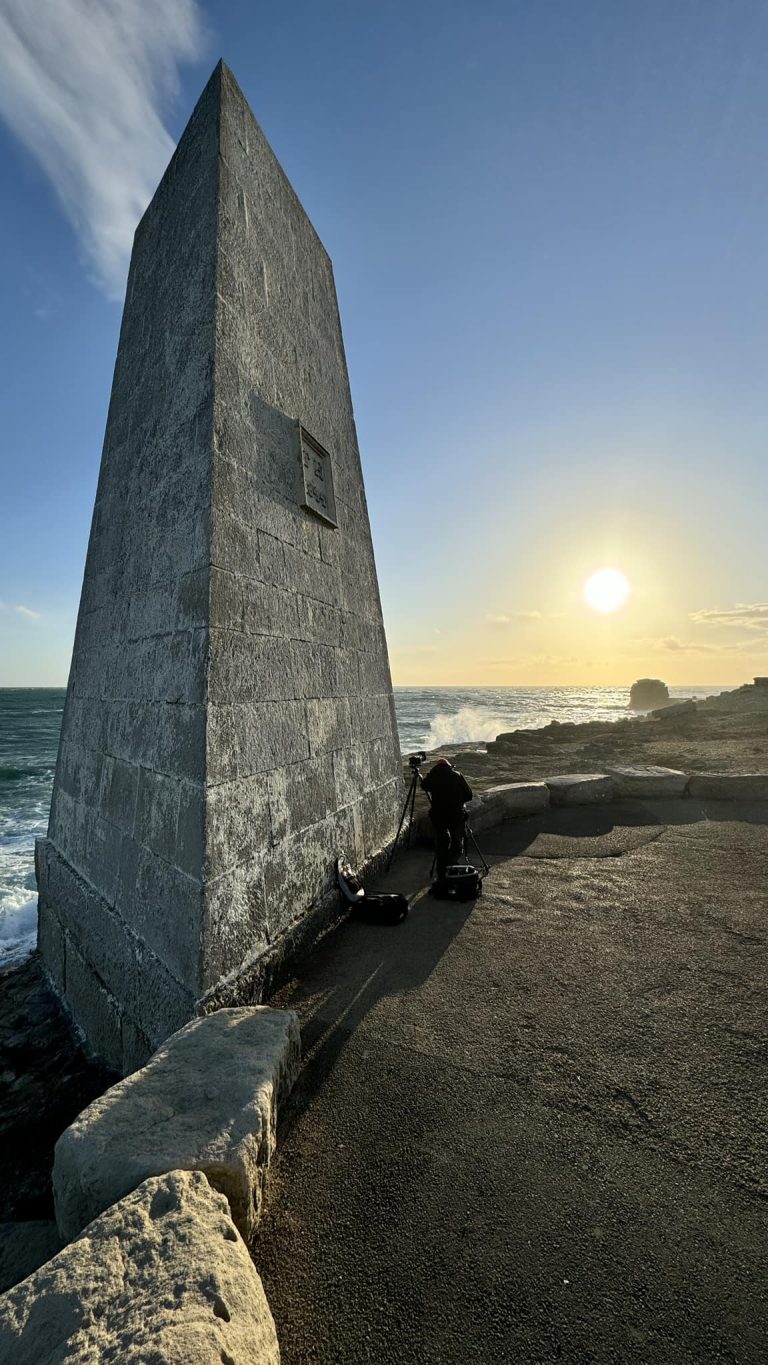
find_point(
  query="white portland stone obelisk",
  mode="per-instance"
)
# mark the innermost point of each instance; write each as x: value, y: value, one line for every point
x: 229, y: 724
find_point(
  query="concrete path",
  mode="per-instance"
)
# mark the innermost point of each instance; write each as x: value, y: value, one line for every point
x: 533, y: 1129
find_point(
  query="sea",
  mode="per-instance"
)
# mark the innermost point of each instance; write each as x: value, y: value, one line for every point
x: 427, y: 717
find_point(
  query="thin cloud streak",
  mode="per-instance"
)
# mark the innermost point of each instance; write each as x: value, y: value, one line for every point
x: 83, y: 86
x: 752, y: 615
x: 506, y: 619
x: 20, y: 610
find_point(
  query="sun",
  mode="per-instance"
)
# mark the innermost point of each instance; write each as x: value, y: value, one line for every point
x: 606, y: 590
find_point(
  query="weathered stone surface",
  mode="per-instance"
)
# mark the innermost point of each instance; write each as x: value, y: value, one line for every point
x: 507, y: 802
x: 162, y: 1276
x: 230, y: 705
x: 729, y: 786
x: 648, y: 780
x: 207, y: 1100
x: 579, y: 789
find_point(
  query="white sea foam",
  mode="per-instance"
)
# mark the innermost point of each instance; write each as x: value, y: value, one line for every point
x: 18, y: 929
x: 462, y: 726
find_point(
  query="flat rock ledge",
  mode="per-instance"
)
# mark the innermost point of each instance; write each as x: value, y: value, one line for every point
x: 580, y: 789
x: 207, y: 1101
x: 162, y: 1276
x: 648, y: 780
x: 729, y: 786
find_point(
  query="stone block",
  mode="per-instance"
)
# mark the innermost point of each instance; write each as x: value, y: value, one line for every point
x: 207, y: 1101
x: 118, y: 789
x: 161, y: 1276
x: 510, y: 801
x: 236, y: 921
x: 250, y: 668
x: 157, y: 813
x: 301, y: 794
x: 580, y: 789
x: 648, y: 780
x: 51, y: 943
x: 147, y: 886
x: 329, y: 724
x: 253, y: 737
x: 237, y: 823
x: 380, y: 812
x: 729, y: 786
x: 96, y: 1012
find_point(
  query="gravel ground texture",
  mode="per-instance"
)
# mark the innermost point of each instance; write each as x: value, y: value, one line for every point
x: 533, y: 1128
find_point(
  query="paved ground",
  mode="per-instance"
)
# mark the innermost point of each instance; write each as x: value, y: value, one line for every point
x: 533, y: 1129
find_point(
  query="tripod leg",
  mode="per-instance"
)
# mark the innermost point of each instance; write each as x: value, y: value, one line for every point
x: 413, y: 804
x: 470, y: 835
x: 409, y: 801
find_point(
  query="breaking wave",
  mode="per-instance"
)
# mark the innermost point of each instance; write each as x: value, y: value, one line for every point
x: 18, y: 931
x: 463, y: 726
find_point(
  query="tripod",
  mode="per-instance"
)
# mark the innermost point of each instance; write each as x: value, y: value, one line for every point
x: 410, y: 801
x: 468, y: 834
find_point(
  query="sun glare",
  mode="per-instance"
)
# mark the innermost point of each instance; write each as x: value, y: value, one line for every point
x: 606, y: 590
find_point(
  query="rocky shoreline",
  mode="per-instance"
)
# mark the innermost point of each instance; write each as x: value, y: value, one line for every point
x: 721, y: 734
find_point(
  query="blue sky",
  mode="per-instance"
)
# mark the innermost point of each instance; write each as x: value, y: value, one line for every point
x: 548, y: 227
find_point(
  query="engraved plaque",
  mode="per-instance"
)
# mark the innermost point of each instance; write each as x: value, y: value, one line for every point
x: 317, y: 472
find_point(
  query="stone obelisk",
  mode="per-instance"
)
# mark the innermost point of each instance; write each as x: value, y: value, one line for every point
x: 229, y: 724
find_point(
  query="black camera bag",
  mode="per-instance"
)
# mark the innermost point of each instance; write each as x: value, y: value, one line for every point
x: 391, y: 908
x: 462, y: 882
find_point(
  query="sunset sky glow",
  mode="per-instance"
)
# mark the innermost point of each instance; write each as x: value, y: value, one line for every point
x: 548, y: 225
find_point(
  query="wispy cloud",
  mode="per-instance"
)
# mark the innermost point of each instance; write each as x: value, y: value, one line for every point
x: 752, y: 615
x: 84, y: 86
x: 20, y: 610
x: 672, y: 644
x: 506, y: 618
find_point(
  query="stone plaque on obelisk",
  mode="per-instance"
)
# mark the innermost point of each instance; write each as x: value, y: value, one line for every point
x: 229, y: 724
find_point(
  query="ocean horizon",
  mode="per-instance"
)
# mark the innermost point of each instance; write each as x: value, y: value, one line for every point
x: 427, y: 718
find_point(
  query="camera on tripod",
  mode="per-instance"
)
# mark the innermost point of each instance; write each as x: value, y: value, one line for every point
x: 416, y: 760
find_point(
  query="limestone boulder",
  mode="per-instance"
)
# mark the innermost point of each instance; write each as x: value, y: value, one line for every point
x: 729, y: 786
x: 207, y: 1100
x: 580, y: 789
x: 162, y: 1276
x: 507, y: 802
x: 648, y: 780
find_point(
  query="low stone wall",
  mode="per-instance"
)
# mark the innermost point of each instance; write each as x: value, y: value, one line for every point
x: 161, y: 1182
x: 515, y: 800
x: 163, y: 1275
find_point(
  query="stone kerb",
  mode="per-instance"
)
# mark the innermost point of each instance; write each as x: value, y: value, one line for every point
x: 163, y: 1275
x: 207, y: 1100
x: 648, y: 780
x: 580, y: 789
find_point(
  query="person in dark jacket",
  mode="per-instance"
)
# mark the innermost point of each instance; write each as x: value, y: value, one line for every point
x: 448, y: 791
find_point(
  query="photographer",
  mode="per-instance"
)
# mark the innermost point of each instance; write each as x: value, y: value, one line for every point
x: 448, y: 791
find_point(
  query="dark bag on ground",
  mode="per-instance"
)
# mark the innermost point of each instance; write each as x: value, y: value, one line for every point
x: 385, y: 909
x: 461, y: 882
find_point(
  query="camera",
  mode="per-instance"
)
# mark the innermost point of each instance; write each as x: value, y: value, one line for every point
x: 416, y: 759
